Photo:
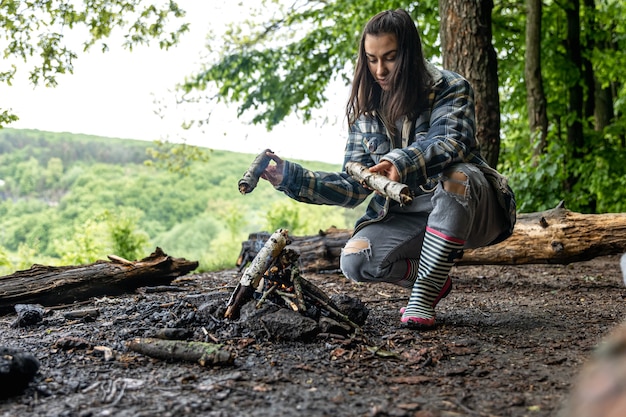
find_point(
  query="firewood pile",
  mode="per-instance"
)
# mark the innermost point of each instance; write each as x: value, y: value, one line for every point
x: 273, y: 277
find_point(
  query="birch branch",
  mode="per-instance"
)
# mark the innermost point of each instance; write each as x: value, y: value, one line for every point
x: 253, y: 274
x: 251, y: 177
x: 388, y: 188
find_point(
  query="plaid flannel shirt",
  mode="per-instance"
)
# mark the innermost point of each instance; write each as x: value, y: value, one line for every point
x: 443, y: 134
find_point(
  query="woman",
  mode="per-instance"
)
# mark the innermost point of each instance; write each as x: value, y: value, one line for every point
x: 414, y: 124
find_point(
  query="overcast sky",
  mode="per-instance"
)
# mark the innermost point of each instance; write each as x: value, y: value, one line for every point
x: 115, y: 94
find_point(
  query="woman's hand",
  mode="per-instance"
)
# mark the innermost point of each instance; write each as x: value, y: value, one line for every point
x: 274, y: 172
x: 386, y: 169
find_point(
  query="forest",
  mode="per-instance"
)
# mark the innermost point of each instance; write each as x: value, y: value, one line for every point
x: 548, y: 78
x: 70, y: 199
x: 550, y: 101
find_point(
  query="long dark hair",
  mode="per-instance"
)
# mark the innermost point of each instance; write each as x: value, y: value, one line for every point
x: 410, y: 80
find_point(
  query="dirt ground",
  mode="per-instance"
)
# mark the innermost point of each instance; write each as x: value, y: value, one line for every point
x: 510, y: 341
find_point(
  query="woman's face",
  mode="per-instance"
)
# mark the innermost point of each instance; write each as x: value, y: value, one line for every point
x: 381, y: 51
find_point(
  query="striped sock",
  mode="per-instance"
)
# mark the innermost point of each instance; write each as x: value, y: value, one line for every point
x: 431, y: 276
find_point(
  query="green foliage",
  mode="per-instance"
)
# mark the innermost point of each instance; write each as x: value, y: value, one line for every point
x: 591, y: 183
x: 36, y: 33
x: 85, y: 245
x: 537, y: 182
x: 284, y: 215
x: 63, y: 207
x: 175, y: 157
x: 5, y: 262
x: 128, y: 242
x: 192, y: 236
x: 284, y: 64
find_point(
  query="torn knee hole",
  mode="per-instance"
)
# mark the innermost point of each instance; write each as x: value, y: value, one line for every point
x: 456, y: 183
x: 356, y: 246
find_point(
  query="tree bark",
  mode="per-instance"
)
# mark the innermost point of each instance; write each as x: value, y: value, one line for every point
x: 49, y: 285
x: 467, y: 48
x: 556, y: 236
x: 535, y: 97
x: 576, y: 101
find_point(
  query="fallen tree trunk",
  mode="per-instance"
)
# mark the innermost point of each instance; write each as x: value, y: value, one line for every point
x: 555, y: 236
x: 49, y: 285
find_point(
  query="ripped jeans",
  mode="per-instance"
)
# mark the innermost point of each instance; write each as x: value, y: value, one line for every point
x: 378, y: 251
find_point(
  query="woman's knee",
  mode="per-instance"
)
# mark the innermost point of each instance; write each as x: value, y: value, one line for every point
x: 456, y: 183
x: 354, y: 255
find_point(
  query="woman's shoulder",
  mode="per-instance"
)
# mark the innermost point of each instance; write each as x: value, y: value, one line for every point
x: 447, y: 80
x: 442, y: 75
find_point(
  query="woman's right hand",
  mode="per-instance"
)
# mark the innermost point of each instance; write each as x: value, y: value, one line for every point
x: 274, y: 172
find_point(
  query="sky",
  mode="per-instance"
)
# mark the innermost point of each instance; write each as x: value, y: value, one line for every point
x: 117, y: 94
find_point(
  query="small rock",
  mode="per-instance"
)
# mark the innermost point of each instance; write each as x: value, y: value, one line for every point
x: 351, y: 307
x: 289, y: 325
x: 328, y: 325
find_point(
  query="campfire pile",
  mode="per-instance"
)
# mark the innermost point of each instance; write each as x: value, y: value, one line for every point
x: 274, y: 277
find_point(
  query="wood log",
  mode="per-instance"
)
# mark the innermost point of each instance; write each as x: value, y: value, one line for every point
x: 205, y: 354
x: 50, y: 285
x: 392, y: 189
x: 555, y: 236
x: 250, y: 178
x: 253, y: 274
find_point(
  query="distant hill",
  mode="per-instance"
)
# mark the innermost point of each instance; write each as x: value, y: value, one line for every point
x: 70, y: 199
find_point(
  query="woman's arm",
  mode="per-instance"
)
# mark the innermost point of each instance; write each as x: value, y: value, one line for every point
x: 447, y: 138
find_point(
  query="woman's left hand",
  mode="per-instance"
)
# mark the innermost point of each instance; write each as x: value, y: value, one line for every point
x: 386, y: 169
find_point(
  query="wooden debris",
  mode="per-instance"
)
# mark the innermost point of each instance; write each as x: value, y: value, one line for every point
x: 392, y: 189
x: 50, y: 285
x: 106, y: 352
x: 72, y: 342
x: 253, y: 274
x: 251, y: 177
x: 88, y: 314
x: 206, y: 354
x: 284, y: 285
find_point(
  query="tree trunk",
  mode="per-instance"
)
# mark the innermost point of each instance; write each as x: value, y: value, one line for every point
x: 576, y: 102
x: 535, y: 96
x: 467, y: 48
x: 49, y: 285
x: 556, y: 236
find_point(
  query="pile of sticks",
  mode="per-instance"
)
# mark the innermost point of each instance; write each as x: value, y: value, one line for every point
x: 275, y: 274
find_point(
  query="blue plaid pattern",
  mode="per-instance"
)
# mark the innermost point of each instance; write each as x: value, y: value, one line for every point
x: 444, y: 134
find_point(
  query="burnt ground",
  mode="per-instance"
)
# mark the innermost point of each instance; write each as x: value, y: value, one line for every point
x: 511, y: 340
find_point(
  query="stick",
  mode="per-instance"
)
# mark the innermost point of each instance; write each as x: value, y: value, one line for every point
x: 392, y: 189
x: 335, y: 313
x: 253, y: 274
x: 312, y: 291
x: 203, y: 353
x: 265, y: 295
x: 251, y: 177
x: 297, y: 288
